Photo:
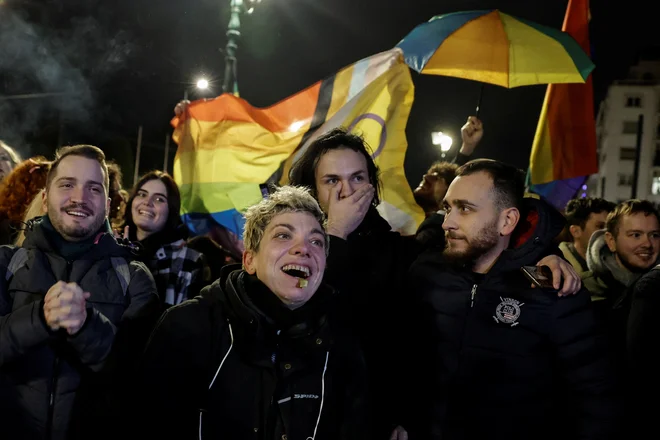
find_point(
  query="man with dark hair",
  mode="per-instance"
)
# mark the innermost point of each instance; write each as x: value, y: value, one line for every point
x: 433, y: 187
x: 368, y: 262
x: 584, y: 216
x: 503, y: 360
x: 71, y: 298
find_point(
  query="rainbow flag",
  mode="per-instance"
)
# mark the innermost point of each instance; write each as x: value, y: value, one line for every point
x: 228, y: 148
x: 564, y: 150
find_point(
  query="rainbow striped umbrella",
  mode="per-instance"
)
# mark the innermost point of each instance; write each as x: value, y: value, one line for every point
x: 496, y: 48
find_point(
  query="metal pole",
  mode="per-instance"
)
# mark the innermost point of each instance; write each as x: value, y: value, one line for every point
x: 230, y: 82
x: 136, y: 173
x: 638, y: 151
x: 60, y: 129
x: 167, y: 152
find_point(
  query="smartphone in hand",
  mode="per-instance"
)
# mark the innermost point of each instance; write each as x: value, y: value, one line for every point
x: 541, y: 276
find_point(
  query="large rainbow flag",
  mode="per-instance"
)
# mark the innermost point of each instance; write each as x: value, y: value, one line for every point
x: 227, y: 148
x: 564, y: 150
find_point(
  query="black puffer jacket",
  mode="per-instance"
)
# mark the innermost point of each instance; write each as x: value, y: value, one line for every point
x: 275, y: 373
x: 506, y: 361
x: 369, y: 271
x: 48, y: 378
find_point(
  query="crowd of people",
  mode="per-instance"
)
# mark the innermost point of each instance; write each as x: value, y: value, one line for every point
x: 327, y: 324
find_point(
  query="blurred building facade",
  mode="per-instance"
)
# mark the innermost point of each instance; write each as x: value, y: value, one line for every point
x: 619, y: 139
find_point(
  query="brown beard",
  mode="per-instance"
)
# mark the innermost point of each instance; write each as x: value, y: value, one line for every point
x: 483, y: 241
x: 74, y: 234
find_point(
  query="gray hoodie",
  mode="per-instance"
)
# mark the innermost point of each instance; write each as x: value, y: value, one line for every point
x: 604, y: 268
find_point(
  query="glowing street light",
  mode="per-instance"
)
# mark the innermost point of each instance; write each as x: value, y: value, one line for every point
x: 202, y: 84
x: 441, y: 139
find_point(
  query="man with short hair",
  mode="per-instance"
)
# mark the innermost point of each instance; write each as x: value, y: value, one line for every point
x: 617, y: 257
x: 67, y: 297
x: 626, y: 249
x: 502, y: 360
x: 584, y: 216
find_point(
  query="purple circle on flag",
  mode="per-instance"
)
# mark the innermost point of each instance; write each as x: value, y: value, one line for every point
x: 383, y: 130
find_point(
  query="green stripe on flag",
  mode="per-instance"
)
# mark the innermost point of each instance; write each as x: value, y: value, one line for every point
x: 204, y: 198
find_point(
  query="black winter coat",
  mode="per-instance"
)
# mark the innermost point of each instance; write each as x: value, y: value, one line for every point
x: 506, y: 361
x: 50, y: 381
x: 299, y: 376
x: 369, y: 270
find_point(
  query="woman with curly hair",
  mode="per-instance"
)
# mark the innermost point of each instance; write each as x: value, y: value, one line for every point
x: 17, y: 190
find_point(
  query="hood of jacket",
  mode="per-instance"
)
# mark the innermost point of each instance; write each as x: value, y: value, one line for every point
x: 539, y: 224
x: 603, y: 264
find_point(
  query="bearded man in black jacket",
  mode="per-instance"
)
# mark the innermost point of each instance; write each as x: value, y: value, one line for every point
x: 505, y: 361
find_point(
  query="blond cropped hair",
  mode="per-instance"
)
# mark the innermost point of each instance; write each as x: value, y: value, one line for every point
x: 285, y: 199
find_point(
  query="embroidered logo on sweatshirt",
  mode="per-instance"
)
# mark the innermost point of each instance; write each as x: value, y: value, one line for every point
x: 508, y: 311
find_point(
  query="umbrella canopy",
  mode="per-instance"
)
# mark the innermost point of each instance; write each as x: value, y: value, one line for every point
x: 493, y: 47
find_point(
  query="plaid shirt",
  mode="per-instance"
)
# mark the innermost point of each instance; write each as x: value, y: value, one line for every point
x: 176, y: 268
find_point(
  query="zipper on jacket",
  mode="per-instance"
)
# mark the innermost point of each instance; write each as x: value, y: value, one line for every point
x: 474, y: 292
x: 51, y: 397
x: 56, y: 373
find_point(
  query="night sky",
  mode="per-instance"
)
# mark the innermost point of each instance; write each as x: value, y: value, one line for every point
x: 121, y: 64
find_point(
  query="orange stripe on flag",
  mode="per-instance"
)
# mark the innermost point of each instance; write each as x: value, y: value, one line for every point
x: 276, y: 118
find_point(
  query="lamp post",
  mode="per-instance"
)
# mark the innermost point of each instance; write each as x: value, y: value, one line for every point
x: 237, y: 7
x: 202, y: 84
x: 442, y: 140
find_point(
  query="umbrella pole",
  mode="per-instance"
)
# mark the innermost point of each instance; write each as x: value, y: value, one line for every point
x: 481, y: 94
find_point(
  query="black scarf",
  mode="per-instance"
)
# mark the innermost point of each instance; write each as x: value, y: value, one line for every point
x: 70, y: 250
x: 277, y: 313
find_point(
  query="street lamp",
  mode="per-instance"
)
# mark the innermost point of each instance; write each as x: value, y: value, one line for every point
x: 439, y: 138
x: 237, y: 7
x: 202, y: 84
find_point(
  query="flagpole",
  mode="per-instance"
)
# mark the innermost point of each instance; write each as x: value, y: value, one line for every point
x: 236, y: 8
x: 166, y: 160
x: 136, y: 173
x: 638, y: 153
x: 233, y: 35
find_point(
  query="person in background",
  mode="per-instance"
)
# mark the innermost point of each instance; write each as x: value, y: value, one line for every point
x: 35, y: 209
x: 118, y: 197
x: 260, y: 354
x: 618, y: 256
x: 641, y: 379
x: 17, y: 190
x: 584, y: 216
x: 433, y: 187
x: 152, y: 219
x: 8, y: 160
x: 214, y: 253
